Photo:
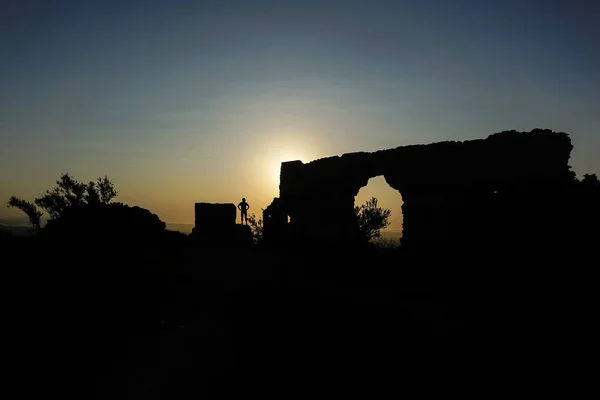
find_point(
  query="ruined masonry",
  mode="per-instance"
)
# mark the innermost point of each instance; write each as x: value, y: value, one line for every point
x: 453, y: 192
x: 215, y: 224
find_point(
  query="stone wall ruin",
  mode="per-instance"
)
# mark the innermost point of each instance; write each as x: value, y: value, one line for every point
x: 453, y: 191
x: 215, y: 225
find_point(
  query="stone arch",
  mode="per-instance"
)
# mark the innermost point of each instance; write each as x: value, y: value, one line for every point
x: 445, y: 185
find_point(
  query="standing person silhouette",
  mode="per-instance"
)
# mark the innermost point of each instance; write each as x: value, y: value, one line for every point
x: 244, y: 207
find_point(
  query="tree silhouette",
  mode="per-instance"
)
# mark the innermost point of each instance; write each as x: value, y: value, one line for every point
x: 106, y: 190
x: 371, y: 219
x: 256, y: 227
x: 34, y: 215
x: 590, y: 181
x: 105, y: 222
x: 70, y: 194
x: 84, y: 211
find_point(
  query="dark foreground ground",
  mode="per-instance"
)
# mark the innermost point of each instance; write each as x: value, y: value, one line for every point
x: 169, y: 322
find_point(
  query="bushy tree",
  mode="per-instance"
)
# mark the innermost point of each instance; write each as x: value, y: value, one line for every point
x: 590, y: 181
x: 34, y: 215
x: 68, y: 195
x: 371, y: 219
x: 106, y: 190
x: 106, y: 222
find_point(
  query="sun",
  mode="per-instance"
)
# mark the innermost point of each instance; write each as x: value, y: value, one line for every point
x: 290, y: 146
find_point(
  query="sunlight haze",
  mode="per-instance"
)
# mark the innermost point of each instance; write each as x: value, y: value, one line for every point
x: 180, y: 102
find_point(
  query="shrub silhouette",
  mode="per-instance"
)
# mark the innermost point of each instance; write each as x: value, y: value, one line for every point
x: 115, y: 221
x: 590, y: 182
x: 256, y: 227
x: 80, y: 211
x: 371, y: 219
x: 69, y: 194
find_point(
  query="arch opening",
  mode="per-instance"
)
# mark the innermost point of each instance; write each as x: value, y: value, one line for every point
x: 387, y: 198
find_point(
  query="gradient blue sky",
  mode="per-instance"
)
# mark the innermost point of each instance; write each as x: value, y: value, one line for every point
x: 186, y: 101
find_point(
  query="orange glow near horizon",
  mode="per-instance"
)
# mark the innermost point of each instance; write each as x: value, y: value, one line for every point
x: 290, y: 146
x: 387, y: 197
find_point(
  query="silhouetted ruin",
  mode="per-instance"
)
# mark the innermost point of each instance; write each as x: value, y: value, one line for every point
x: 275, y: 222
x: 453, y: 192
x: 210, y: 216
x: 500, y: 242
x: 215, y: 224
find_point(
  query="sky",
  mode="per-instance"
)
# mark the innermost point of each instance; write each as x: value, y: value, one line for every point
x: 180, y: 102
